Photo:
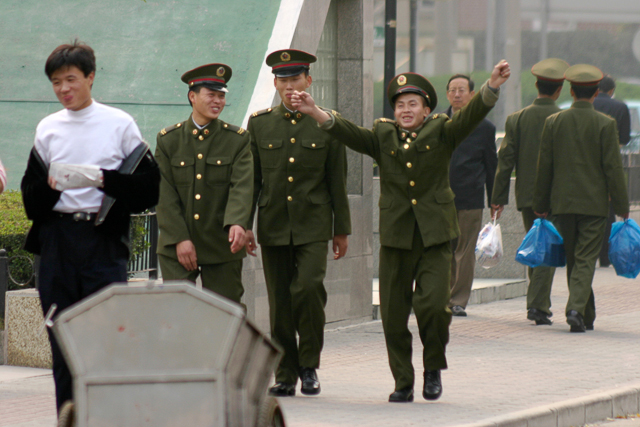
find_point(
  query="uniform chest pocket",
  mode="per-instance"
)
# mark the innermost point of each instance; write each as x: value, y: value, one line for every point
x: 218, y: 170
x: 429, y: 146
x: 270, y: 152
x: 182, y: 170
x: 314, y: 153
x: 389, y: 161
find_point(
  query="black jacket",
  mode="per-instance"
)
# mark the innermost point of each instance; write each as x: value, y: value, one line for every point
x: 133, y: 193
x: 619, y: 111
x: 473, y: 166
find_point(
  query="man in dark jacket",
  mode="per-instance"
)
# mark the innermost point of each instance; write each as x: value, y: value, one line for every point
x: 82, y: 239
x: 605, y: 103
x: 472, y: 168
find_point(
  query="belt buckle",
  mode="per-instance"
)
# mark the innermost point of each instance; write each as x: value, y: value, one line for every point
x: 81, y: 216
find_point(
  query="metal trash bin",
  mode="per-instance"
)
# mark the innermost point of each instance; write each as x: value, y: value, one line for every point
x: 159, y: 355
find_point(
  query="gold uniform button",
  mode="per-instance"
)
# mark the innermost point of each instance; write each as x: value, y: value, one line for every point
x: 179, y: 124
x: 412, y: 183
x: 270, y: 145
x: 201, y: 137
x: 293, y: 140
x: 290, y: 179
x: 181, y: 163
x: 200, y: 156
x: 293, y: 122
x: 196, y: 217
x: 218, y: 162
x: 409, y: 165
x: 408, y: 139
x: 197, y: 197
x: 226, y: 125
x: 199, y: 176
x: 289, y: 198
x: 313, y: 145
x: 195, y: 131
x: 406, y: 146
x: 414, y: 201
x: 291, y: 160
x: 428, y: 148
x: 393, y: 152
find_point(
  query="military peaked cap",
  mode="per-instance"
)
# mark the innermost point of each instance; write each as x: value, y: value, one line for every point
x: 211, y: 76
x: 412, y: 83
x: 289, y: 62
x: 583, y: 75
x: 550, y: 70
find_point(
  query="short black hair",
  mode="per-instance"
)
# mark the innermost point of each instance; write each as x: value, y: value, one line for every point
x: 76, y: 54
x: 607, y: 84
x: 462, y: 76
x: 545, y: 87
x: 584, y: 92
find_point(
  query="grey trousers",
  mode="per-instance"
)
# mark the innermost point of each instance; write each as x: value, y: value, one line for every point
x: 463, y: 261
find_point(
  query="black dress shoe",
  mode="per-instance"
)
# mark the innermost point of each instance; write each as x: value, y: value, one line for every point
x: 432, y: 385
x: 310, y: 383
x: 404, y: 395
x: 538, y: 316
x: 574, y: 319
x: 457, y: 310
x: 282, y: 390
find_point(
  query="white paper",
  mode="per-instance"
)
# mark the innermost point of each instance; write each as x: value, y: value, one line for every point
x: 75, y: 176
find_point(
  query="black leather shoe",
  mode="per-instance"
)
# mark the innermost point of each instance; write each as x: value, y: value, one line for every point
x: 404, y: 395
x: 282, y: 390
x: 310, y: 383
x: 457, y: 310
x: 574, y: 319
x: 538, y: 316
x: 432, y: 385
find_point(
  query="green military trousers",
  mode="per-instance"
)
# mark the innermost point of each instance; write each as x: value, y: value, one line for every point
x: 297, y: 297
x: 224, y: 279
x: 582, y: 236
x: 431, y: 269
x: 540, y: 278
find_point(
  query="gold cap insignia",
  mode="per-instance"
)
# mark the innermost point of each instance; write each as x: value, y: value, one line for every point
x: 285, y: 56
x: 220, y: 72
x: 402, y: 80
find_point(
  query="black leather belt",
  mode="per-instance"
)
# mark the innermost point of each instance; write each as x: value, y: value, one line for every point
x: 78, y: 216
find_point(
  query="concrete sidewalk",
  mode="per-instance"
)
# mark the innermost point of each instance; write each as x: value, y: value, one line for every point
x: 503, y: 371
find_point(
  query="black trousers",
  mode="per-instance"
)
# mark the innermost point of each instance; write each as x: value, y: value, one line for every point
x: 75, y: 262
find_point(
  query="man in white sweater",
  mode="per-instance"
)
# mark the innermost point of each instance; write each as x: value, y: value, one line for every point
x: 80, y: 230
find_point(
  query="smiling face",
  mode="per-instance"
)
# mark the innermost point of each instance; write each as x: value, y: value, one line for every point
x: 72, y: 88
x: 287, y: 85
x: 458, y: 93
x: 410, y: 110
x: 207, y: 105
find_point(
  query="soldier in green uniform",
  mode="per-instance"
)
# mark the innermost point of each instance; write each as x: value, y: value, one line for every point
x: 206, y: 189
x: 519, y: 149
x: 300, y: 191
x: 417, y: 215
x: 579, y: 169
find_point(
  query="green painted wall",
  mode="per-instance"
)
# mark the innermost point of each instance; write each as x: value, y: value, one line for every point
x: 142, y: 49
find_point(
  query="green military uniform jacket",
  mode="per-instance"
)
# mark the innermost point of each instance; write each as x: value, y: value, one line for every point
x: 414, y: 170
x: 519, y: 148
x: 206, y: 186
x: 579, y: 164
x: 300, y: 176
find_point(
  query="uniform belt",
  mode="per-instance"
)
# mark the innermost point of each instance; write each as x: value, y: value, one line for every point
x: 78, y: 216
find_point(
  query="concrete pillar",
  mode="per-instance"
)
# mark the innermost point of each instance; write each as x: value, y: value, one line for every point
x: 508, y: 46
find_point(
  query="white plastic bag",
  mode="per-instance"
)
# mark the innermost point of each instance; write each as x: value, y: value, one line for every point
x: 489, y: 246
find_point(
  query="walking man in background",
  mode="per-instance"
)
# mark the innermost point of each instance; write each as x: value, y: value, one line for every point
x: 206, y: 189
x: 605, y: 103
x: 301, y: 194
x: 471, y: 170
x: 519, y: 149
x: 77, y: 256
x: 579, y: 168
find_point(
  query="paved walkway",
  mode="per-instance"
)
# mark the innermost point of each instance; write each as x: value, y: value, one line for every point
x: 503, y: 370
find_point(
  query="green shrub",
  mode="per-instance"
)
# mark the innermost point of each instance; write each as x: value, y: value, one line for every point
x: 14, y: 226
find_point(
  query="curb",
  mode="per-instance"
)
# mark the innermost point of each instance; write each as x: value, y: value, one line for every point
x: 573, y: 412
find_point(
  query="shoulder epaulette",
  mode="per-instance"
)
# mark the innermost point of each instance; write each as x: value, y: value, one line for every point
x: 440, y: 115
x: 165, y: 131
x: 332, y: 112
x: 234, y: 128
x: 261, y: 112
x: 385, y: 120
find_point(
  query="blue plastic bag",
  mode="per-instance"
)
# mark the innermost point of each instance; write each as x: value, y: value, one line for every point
x: 624, y: 248
x: 542, y: 246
